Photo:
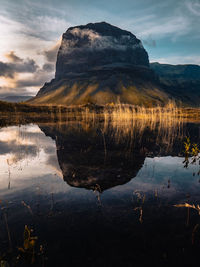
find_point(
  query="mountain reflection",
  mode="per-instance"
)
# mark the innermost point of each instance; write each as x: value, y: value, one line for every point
x: 102, y: 155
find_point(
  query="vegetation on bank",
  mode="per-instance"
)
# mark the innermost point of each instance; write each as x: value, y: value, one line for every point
x: 108, y: 111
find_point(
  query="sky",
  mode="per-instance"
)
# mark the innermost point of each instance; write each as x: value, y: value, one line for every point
x: 31, y: 31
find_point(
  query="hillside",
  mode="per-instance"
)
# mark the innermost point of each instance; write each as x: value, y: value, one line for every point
x: 181, y: 82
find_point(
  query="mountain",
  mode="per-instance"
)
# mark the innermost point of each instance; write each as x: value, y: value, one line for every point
x: 15, y: 98
x: 101, y: 63
x: 181, y: 82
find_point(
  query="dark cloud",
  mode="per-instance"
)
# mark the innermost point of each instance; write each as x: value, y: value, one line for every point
x: 17, y: 149
x: 18, y: 86
x: 8, y: 69
x: 6, y: 91
x: 29, y: 65
x: 51, y: 54
x: 53, y: 161
x: 21, y: 85
x: 28, y: 82
x: 38, y: 79
x: 48, y: 67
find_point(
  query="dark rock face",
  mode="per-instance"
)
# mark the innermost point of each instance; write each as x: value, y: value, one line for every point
x: 98, y: 46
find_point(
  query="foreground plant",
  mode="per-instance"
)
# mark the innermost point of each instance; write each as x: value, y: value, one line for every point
x: 196, y: 227
x: 140, y: 200
x: 186, y: 205
x: 27, y: 255
x: 27, y: 251
x: 191, y: 150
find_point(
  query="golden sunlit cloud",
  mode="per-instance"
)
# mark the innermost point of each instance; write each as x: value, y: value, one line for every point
x: 12, y: 57
x: 3, y: 82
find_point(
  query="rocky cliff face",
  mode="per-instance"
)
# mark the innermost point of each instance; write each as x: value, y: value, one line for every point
x: 96, y: 47
x: 101, y: 63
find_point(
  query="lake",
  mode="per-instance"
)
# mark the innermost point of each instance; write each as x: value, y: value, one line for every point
x: 100, y: 193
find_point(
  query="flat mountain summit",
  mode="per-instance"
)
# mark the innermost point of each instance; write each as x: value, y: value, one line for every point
x: 97, y: 47
x: 100, y: 63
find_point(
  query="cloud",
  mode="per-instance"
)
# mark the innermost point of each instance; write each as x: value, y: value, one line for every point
x: 22, y: 75
x: 27, y: 66
x: 48, y: 67
x: 163, y: 19
x: 194, y: 7
x: 11, y: 90
x: 51, y: 54
x: 150, y: 42
x: 13, y: 147
x: 89, y: 39
x: 18, y: 65
x: 195, y: 59
x: 37, y: 79
x: 11, y: 56
x: 168, y: 26
x: 27, y: 35
x: 6, y: 70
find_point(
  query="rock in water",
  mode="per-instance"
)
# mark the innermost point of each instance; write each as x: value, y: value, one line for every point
x: 101, y: 63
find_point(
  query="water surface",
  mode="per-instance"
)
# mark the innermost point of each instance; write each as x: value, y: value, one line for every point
x: 101, y: 194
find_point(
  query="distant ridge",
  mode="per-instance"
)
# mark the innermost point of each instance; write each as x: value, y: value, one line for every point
x: 15, y: 98
x: 181, y: 82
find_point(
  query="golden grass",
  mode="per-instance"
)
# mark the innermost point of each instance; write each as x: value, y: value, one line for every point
x: 122, y: 117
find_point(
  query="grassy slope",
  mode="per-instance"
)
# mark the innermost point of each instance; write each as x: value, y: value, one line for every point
x: 63, y: 93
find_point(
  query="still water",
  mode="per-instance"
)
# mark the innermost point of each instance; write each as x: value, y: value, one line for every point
x: 100, y: 194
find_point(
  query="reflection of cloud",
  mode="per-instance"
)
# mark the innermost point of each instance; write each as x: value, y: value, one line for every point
x: 53, y: 162
x: 14, y: 143
x: 21, y: 143
x: 17, y: 145
x: 20, y: 151
x: 155, y: 175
